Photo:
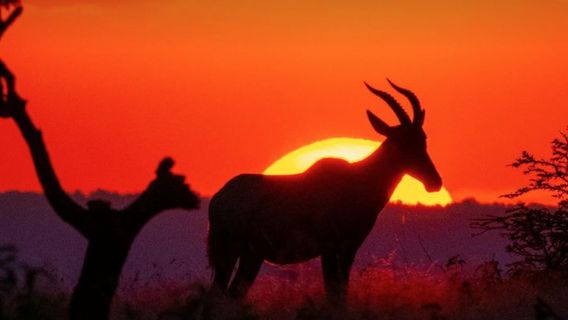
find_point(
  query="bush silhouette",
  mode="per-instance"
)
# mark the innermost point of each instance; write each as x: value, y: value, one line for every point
x: 538, y: 235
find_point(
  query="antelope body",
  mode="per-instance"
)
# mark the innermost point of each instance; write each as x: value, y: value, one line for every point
x: 327, y: 211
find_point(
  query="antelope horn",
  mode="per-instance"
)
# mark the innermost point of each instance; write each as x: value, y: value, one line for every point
x: 416, y: 108
x: 395, y: 106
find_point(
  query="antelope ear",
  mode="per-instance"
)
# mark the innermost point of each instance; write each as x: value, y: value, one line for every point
x: 379, y: 125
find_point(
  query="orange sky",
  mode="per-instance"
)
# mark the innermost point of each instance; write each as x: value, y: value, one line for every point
x: 227, y: 88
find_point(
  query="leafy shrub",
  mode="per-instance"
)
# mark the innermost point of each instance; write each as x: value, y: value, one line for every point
x: 537, y: 234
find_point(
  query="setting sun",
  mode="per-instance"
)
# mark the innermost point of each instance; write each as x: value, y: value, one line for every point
x: 409, y: 191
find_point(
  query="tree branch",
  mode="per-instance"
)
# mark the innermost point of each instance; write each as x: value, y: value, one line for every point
x: 62, y: 204
x: 4, y: 25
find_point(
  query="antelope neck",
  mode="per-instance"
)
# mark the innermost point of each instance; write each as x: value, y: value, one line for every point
x: 382, y: 170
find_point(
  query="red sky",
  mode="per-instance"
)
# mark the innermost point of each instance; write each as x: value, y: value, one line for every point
x: 227, y: 88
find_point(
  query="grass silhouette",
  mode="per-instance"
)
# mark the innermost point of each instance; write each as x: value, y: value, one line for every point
x: 378, y: 291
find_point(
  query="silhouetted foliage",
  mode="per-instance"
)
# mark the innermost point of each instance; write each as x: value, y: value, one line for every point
x: 19, y: 296
x: 550, y: 175
x: 455, y: 262
x: 489, y: 273
x: 544, y: 312
x: 539, y: 235
x: 7, y: 271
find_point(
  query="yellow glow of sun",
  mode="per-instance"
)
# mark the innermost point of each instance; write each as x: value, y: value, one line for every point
x: 409, y: 191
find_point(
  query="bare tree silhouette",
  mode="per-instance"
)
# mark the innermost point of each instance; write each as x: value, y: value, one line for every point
x: 327, y: 211
x: 110, y: 232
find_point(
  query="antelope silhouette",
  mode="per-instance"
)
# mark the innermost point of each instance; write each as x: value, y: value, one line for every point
x: 327, y: 211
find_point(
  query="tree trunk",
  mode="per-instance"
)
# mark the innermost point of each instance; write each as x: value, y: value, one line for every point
x: 99, y: 279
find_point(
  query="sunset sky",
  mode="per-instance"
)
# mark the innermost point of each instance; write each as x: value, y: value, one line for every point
x: 227, y: 87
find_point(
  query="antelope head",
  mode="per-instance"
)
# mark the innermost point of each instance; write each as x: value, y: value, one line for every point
x: 408, y: 138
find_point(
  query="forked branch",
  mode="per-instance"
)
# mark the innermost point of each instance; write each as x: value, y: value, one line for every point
x: 5, y: 24
x: 12, y: 106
